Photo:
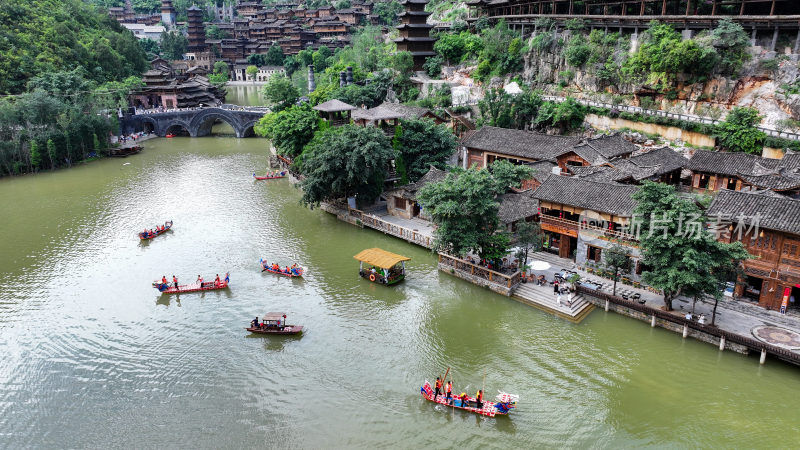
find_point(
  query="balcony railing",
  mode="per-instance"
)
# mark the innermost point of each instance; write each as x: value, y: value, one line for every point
x: 507, y: 281
x: 574, y: 226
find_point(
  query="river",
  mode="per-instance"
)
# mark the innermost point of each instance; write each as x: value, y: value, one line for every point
x: 94, y: 356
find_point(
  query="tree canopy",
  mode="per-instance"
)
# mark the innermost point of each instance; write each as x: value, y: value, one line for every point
x: 738, y: 133
x: 290, y: 129
x: 280, y: 91
x: 344, y: 162
x: 422, y: 144
x: 41, y: 36
x: 681, y: 256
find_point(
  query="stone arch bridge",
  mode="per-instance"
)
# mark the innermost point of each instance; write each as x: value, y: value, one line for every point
x: 197, y: 122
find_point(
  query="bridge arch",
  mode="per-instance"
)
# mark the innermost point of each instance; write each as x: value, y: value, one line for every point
x: 150, y: 125
x: 247, y: 129
x: 203, y: 121
x: 178, y: 127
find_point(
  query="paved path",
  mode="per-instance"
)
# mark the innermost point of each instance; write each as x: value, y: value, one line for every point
x: 732, y: 315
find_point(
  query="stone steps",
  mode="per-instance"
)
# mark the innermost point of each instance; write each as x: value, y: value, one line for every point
x: 542, y: 297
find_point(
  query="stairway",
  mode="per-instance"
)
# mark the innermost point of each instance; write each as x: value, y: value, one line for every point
x: 542, y: 297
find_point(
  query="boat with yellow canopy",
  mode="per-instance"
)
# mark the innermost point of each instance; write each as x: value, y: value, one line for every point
x: 383, y: 267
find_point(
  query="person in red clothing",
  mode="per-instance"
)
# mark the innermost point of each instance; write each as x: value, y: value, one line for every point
x: 438, y: 388
x: 175, y: 280
x: 449, y: 392
x: 164, y: 280
x: 216, y: 281
x: 479, y: 399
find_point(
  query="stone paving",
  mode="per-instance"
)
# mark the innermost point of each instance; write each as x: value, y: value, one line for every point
x: 732, y: 315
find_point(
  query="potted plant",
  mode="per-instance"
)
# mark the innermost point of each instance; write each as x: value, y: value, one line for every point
x: 637, y: 284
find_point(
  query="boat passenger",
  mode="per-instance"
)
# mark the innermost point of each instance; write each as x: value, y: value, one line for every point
x: 276, y: 267
x: 175, y: 280
x: 438, y: 388
x: 227, y: 278
x: 449, y: 392
x: 287, y: 270
x: 464, y: 400
x: 164, y: 280
x: 200, y: 281
x: 216, y: 281
x: 479, y: 399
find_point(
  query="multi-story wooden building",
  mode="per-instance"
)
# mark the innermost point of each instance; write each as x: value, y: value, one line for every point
x: 768, y: 224
x: 415, y: 32
x: 712, y: 171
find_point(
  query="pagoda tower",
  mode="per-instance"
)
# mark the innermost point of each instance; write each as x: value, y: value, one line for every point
x: 195, y: 29
x: 167, y: 13
x: 415, y: 32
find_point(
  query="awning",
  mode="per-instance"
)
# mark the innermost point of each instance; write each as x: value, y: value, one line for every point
x: 380, y: 258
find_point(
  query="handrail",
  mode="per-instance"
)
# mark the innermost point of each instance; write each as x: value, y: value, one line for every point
x: 750, y: 343
x: 474, y: 269
x: 580, y: 226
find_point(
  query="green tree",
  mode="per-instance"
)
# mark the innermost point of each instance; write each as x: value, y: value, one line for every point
x: 680, y: 262
x: 36, y: 155
x: 617, y: 262
x: 320, y: 58
x: 289, y: 130
x: 280, y: 91
x: 220, y: 74
x: 464, y: 209
x: 291, y: 65
x: 215, y: 32
x: 344, y: 162
x: 433, y: 66
x: 173, y: 45
x: 507, y: 175
x: 51, y: 153
x: 565, y: 116
x: 422, y: 144
x: 388, y: 11
x: 274, y: 56
x: 150, y: 46
x: 251, y: 72
x: 495, y: 108
x: 306, y: 57
x: 738, y: 133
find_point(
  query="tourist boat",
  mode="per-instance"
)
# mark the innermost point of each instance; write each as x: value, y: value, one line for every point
x: 125, y: 151
x: 146, y: 236
x: 170, y: 288
x: 294, y: 272
x: 170, y: 135
x: 505, y: 402
x: 387, y: 268
x: 273, y: 323
x: 282, y: 175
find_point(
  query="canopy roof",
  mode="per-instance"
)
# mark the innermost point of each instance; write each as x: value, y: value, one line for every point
x: 273, y: 316
x: 380, y: 258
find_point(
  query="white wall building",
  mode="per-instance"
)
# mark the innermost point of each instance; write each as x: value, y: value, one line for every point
x: 145, y: 31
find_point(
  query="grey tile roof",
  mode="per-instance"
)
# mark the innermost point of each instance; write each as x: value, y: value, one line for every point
x: 542, y: 169
x: 408, y: 112
x: 724, y: 163
x: 334, y: 105
x: 783, y: 180
x: 654, y: 163
x: 376, y: 113
x: 612, y: 146
x: 520, y: 143
x: 771, y: 211
x: 514, y: 207
x: 609, y: 198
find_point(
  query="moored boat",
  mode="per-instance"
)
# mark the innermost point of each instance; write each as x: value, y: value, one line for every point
x: 387, y: 268
x: 504, y: 402
x: 274, y: 176
x: 294, y: 271
x: 125, y: 151
x: 170, y: 135
x: 170, y: 288
x: 273, y: 323
x: 157, y: 232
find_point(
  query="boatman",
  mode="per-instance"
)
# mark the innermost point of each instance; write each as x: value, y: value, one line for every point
x: 200, y: 281
x: 449, y: 392
x: 438, y: 388
x: 479, y: 399
x: 175, y: 280
x: 216, y: 281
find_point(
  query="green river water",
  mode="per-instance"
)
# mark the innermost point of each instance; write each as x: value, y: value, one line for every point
x: 93, y: 356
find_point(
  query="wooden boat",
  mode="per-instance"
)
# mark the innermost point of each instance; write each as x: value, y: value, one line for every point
x: 170, y: 288
x: 273, y: 323
x: 282, y: 175
x: 170, y: 135
x: 125, y: 151
x: 296, y: 272
x: 167, y: 227
x: 505, y: 402
x: 387, y: 268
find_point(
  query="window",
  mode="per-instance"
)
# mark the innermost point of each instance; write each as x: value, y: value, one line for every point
x: 399, y: 203
x: 593, y: 253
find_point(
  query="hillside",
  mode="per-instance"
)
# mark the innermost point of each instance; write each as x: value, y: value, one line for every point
x: 40, y: 36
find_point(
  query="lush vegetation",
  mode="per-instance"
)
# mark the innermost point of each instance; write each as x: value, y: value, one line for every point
x: 290, y: 129
x: 528, y: 110
x: 63, y: 119
x: 280, y: 91
x: 679, y: 261
x: 347, y: 161
x: 738, y: 133
x: 173, y: 45
x: 422, y: 144
x: 45, y: 36
x: 617, y: 262
x: 464, y: 207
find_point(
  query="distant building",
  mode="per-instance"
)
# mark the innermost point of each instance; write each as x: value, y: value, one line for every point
x: 415, y: 32
x: 167, y: 13
x: 145, y: 31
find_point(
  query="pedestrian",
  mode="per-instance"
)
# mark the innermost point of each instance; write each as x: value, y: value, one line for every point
x: 555, y: 287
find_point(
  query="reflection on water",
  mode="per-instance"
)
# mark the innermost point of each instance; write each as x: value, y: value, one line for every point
x: 93, y: 355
